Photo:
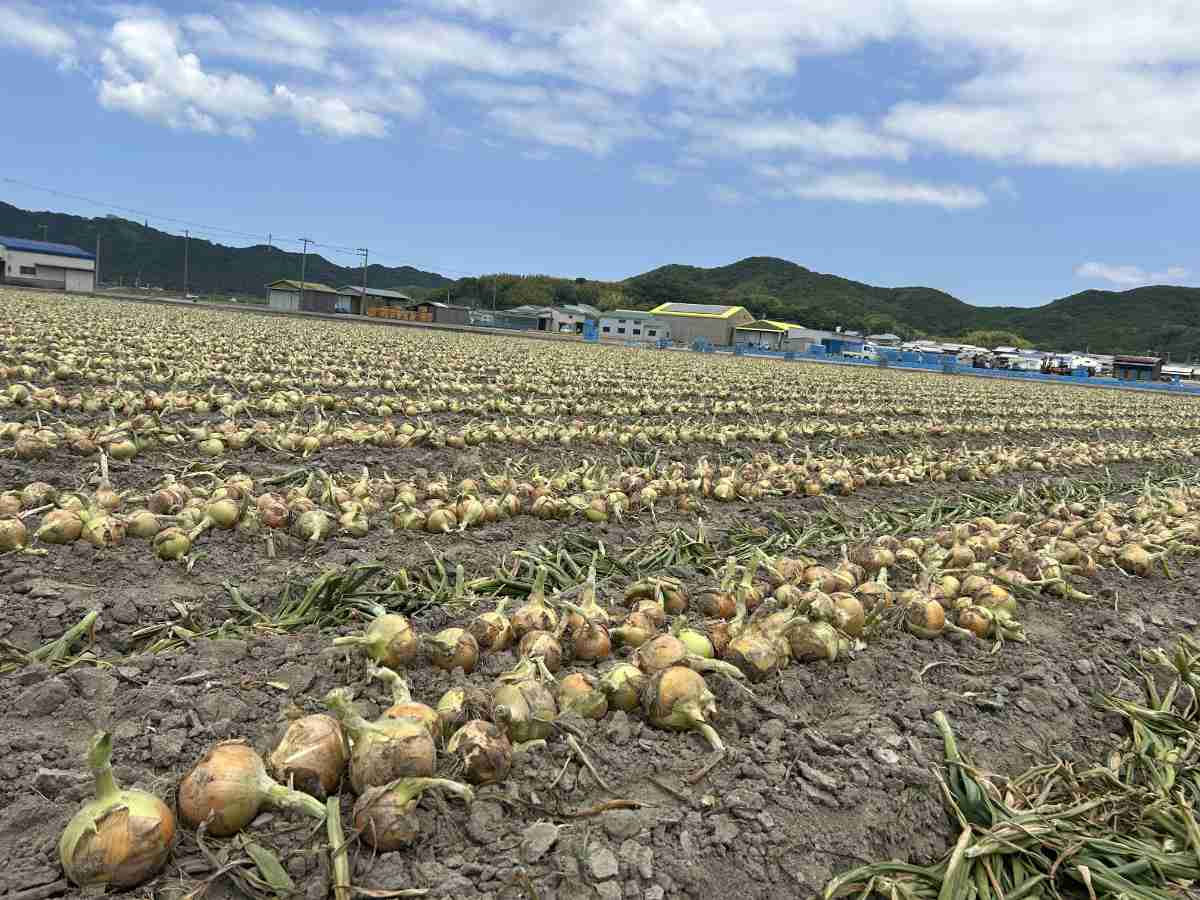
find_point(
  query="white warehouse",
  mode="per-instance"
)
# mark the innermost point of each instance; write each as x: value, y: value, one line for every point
x: 42, y: 264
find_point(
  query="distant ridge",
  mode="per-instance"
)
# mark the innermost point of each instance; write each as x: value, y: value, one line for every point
x: 1160, y: 319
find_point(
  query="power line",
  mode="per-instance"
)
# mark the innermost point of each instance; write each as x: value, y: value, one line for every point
x: 271, y: 238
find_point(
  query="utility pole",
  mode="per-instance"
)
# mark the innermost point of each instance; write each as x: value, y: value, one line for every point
x: 187, y: 237
x: 303, y: 268
x: 364, y: 252
x: 494, y: 294
x: 96, y: 267
x: 45, y: 229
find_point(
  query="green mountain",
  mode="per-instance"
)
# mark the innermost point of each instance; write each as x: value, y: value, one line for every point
x: 131, y: 253
x: 1160, y: 320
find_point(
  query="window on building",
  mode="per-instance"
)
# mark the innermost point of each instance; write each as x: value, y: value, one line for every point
x: 607, y: 329
x: 620, y: 321
x: 620, y: 331
x: 637, y: 331
x: 28, y: 270
x: 650, y: 332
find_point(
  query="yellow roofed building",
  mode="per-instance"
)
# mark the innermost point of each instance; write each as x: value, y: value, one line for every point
x: 702, y: 321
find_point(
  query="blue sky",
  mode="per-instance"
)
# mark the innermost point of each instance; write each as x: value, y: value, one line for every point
x: 1007, y: 153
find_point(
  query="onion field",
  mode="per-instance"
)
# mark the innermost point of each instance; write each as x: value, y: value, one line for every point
x: 295, y: 607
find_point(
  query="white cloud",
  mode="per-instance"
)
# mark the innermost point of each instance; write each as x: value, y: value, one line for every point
x: 1073, y: 83
x: 148, y: 73
x: 657, y: 176
x: 1131, y: 276
x: 872, y: 187
x: 588, y: 121
x: 843, y: 137
x: 334, y: 116
x: 27, y: 28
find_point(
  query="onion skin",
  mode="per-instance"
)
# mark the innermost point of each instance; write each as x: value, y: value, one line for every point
x: 623, y: 685
x: 453, y: 648
x: 229, y: 786
x: 580, y: 693
x: 386, y: 816
x: 122, y: 838
x: 13, y: 534
x: 383, y: 750
x: 678, y: 699
x: 544, y: 645
x: 484, y: 751
x: 389, y: 640
x: 61, y: 526
x: 311, y: 755
x: 522, y: 705
x: 492, y: 630
x: 403, y: 706
x: 535, y: 615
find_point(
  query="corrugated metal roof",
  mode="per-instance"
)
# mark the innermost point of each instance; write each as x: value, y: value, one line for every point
x: 49, y: 248
x: 703, y: 310
x: 767, y: 325
x: 312, y: 287
x: 628, y: 314
x: 375, y: 292
x: 1137, y: 360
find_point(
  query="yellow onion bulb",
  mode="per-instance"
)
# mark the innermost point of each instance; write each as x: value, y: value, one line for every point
x: 453, y: 648
x: 389, y: 641
x: 383, y: 750
x: 678, y: 699
x: 60, y: 526
x: 13, y: 534
x: 311, y: 755
x: 525, y: 710
x: 229, y: 786
x: 492, y: 630
x: 483, y: 751
x: 120, y: 838
x: 542, y: 644
x: 622, y: 686
x: 386, y: 816
x: 581, y: 694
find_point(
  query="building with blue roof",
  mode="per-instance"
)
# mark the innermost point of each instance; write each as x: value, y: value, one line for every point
x: 46, y: 265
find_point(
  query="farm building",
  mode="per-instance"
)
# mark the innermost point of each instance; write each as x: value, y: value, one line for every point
x: 764, y: 334
x: 286, y: 294
x: 443, y: 313
x: 632, y: 325
x: 801, y: 340
x: 1183, y: 373
x: 1137, y: 368
x: 884, y: 340
x: 526, y: 318
x: 690, y: 322
x: 48, y: 265
x: 377, y: 297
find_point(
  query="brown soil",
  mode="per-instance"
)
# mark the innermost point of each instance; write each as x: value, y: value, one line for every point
x: 830, y: 767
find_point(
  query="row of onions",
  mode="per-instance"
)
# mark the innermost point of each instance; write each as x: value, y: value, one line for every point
x: 147, y: 432
x: 54, y: 341
x: 758, y: 619
x: 179, y: 511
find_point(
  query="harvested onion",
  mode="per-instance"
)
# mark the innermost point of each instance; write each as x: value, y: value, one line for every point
x: 121, y: 838
x: 311, y: 755
x: 386, y: 816
x: 230, y: 785
x: 389, y: 640
x: 483, y: 750
x: 383, y: 750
